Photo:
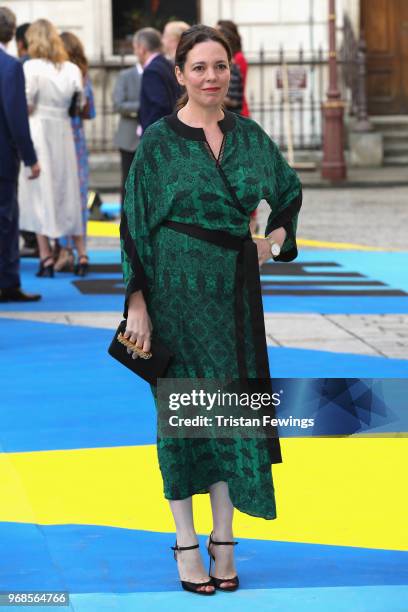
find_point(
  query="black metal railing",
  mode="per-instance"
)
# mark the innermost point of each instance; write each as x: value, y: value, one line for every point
x: 285, y: 93
x: 101, y: 130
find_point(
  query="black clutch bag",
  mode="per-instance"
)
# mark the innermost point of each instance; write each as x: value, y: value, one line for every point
x: 149, y: 366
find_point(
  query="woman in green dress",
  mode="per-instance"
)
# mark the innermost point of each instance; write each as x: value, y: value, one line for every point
x: 191, y: 274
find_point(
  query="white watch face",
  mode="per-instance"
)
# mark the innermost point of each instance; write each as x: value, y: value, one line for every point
x: 275, y: 249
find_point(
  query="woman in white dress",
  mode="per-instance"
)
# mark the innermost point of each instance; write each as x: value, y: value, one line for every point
x: 51, y: 206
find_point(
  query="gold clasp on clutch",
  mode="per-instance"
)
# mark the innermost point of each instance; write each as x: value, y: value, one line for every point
x: 132, y: 346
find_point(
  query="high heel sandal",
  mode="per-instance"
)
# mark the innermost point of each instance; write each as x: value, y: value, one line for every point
x: 46, y: 271
x: 192, y: 587
x: 82, y: 267
x: 217, y: 582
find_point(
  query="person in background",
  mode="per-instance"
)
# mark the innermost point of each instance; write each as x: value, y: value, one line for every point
x: 15, y: 144
x: 30, y: 248
x: 235, y: 42
x: 126, y: 102
x: 76, y: 55
x: 51, y: 206
x: 235, y: 95
x: 171, y: 36
x: 230, y: 30
x: 160, y: 89
x: 21, y: 42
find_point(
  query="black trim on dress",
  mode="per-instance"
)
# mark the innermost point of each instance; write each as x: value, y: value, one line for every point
x: 192, y: 133
x: 284, y: 219
x: 138, y: 281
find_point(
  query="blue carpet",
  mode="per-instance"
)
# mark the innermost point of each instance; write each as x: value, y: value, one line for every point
x: 67, y: 392
x: 336, y: 599
x: 64, y: 391
x: 87, y: 559
x: 388, y: 268
x: 59, y: 294
x: 112, y: 209
x: 336, y: 304
x: 304, y: 363
x: 60, y: 390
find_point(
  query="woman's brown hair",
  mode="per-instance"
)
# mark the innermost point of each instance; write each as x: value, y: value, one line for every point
x: 75, y: 50
x: 189, y: 39
x: 44, y: 42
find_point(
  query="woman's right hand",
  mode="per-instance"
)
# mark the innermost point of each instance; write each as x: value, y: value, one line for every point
x: 139, y: 326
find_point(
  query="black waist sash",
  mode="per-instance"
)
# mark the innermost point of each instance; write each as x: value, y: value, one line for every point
x: 246, y: 274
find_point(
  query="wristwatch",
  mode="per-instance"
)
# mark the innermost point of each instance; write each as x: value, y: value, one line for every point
x: 275, y: 248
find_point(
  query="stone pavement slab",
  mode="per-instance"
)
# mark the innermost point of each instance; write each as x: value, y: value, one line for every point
x: 388, y: 334
x: 382, y: 335
x: 377, y: 217
x: 376, y: 335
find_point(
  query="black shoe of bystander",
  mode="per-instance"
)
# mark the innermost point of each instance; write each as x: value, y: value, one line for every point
x: 16, y: 294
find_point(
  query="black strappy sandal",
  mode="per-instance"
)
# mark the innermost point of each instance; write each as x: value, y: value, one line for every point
x: 82, y: 267
x: 193, y: 587
x: 217, y: 582
x: 46, y: 271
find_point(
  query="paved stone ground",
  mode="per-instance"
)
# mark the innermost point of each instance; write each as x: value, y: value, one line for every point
x: 104, y: 243
x: 376, y: 335
x: 371, y: 217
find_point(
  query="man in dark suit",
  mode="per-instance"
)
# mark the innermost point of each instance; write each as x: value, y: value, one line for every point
x: 126, y: 102
x: 15, y: 144
x: 30, y: 247
x: 160, y: 88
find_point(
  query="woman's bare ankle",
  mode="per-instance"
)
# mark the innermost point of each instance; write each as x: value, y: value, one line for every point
x: 186, y: 538
x: 222, y: 534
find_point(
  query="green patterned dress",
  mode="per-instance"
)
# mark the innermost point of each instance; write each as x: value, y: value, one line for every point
x: 189, y: 284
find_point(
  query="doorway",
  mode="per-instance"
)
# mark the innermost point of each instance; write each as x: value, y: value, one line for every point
x: 385, y: 25
x: 131, y: 15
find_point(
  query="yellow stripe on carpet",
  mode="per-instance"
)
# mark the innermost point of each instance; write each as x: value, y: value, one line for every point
x: 342, y: 246
x: 103, y: 229
x: 339, y: 491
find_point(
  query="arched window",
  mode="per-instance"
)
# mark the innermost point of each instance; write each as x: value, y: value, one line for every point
x: 131, y: 15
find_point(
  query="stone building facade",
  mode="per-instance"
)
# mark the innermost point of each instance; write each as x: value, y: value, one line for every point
x: 270, y: 23
x: 299, y: 27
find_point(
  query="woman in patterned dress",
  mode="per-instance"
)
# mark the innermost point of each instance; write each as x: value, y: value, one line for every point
x: 197, y: 175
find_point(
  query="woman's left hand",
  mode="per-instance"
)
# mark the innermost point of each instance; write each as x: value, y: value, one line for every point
x: 264, y: 245
x: 264, y: 250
